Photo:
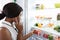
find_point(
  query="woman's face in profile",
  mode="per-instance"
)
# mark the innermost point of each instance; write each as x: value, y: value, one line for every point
x: 21, y: 17
x: 18, y: 18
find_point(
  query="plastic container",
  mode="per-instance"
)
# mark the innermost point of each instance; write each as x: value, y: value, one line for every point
x: 57, y: 5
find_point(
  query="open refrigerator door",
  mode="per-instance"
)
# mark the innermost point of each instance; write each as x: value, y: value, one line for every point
x: 42, y: 17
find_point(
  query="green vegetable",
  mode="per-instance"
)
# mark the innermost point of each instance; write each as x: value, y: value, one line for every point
x: 57, y: 28
x: 50, y: 37
x: 36, y: 24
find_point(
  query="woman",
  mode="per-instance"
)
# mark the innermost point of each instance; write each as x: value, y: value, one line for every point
x: 12, y: 12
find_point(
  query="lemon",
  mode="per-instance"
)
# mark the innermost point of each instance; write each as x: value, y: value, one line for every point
x: 39, y: 25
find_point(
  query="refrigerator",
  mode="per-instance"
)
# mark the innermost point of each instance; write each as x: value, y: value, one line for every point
x: 41, y: 16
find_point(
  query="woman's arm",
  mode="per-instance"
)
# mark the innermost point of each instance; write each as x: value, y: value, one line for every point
x: 19, y: 26
x: 5, y: 34
x: 20, y: 33
x: 20, y: 36
x: 27, y: 35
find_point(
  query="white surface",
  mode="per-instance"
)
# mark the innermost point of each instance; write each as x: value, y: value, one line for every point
x: 3, y: 2
x: 21, y: 3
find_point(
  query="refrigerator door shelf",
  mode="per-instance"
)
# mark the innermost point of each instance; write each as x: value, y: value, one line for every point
x: 48, y: 30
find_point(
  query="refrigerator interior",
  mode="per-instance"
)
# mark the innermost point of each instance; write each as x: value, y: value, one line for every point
x: 48, y: 10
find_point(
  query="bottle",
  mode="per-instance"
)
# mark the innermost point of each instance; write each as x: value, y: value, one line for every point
x: 42, y: 6
x: 37, y: 6
x: 58, y: 16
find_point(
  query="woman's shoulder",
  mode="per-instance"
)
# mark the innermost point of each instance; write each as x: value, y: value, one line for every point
x: 3, y: 29
x: 4, y: 33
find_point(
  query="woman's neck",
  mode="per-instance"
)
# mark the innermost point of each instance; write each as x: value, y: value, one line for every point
x: 9, y: 20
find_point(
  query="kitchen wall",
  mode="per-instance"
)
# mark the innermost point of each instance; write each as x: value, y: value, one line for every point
x: 3, y: 2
